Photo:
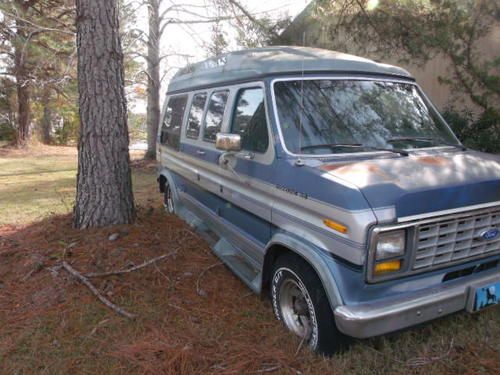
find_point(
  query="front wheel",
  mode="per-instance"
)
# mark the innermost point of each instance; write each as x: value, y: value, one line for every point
x: 300, y: 303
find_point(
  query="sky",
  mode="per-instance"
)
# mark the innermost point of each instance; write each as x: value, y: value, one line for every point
x: 191, y: 40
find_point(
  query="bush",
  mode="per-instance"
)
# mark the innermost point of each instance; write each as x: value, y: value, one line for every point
x: 480, y: 134
x: 7, y: 133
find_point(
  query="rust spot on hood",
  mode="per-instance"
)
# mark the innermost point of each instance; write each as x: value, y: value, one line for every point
x: 433, y: 160
x: 352, y: 169
x: 332, y: 167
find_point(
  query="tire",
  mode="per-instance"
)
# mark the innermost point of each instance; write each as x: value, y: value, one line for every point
x: 300, y: 303
x: 168, y: 199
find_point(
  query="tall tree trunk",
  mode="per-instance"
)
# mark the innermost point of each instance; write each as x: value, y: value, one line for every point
x: 104, y: 186
x: 47, y: 116
x: 22, y: 83
x: 153, y: 73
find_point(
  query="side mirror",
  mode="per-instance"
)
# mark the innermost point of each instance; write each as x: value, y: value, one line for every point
x: 228, y: 142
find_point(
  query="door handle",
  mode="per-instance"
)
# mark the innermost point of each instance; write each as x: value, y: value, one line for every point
x: 200, y: 152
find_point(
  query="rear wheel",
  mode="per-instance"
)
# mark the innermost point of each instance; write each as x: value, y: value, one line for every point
x: 168, y: 199
x: 300, y: 303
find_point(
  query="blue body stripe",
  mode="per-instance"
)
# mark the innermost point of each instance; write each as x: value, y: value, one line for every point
x: 250, y: 224
x: 447, y: 198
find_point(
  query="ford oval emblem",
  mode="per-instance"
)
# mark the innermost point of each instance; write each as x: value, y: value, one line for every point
x: 489, y: 234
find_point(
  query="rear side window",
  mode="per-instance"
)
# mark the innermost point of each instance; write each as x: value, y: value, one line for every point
x: 195, y: 115
x: 172, y: 122
x: 215, y: 115
x: 249, y: 120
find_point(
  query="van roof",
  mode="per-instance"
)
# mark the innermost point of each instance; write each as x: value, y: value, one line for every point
x: 260, y: 62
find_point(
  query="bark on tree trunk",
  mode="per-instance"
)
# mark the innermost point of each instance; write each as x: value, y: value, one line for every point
x: 47, y: 117
x: 153, y: 73
x: 104, y: 187
x: 22, y: 83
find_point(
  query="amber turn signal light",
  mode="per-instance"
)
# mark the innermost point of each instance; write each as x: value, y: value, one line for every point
x: 388, y: 266
x: 335, y: 226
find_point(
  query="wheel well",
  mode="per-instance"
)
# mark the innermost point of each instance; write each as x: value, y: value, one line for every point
x: 276, y: 251
x: 272, y: 254
x: 162, y: 180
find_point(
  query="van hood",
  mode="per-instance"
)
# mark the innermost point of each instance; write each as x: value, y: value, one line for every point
x: 420, y: 184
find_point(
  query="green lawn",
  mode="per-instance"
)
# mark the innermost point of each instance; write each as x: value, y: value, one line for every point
x: 35, y: 185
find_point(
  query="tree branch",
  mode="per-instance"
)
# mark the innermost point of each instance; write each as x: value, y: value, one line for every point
x: 132, y: 269
x: 96, y: 293
x: 39, y: 28
x: 248, y: 15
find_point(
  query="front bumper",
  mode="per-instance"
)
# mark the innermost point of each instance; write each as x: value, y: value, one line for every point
x: 392, y: 314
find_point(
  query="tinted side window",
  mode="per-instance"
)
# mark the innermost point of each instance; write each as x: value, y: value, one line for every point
x: 195, y: 115
x: 215, y: 114
x: 172, y: 122
x: 249, y: 120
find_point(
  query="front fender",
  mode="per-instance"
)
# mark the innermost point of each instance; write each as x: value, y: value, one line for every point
x: 318, y: 259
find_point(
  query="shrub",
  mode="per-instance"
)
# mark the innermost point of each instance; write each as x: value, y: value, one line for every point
x: 482, y: 134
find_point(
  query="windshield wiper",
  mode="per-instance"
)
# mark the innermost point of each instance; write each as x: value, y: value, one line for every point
x: 354, y: 145
x: 332, y: 145
x: 426, y: 139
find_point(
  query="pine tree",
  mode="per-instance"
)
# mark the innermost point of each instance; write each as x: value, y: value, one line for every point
x: 104, y: 186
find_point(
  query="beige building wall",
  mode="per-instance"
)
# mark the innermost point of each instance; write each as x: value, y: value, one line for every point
x: 428, y: 75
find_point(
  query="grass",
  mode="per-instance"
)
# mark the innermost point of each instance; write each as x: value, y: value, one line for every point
x: 50, y: 324
x: 33, y: 187
x: 41, y: 182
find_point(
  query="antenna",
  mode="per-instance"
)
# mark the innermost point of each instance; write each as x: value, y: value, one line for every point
x: 299, y: 162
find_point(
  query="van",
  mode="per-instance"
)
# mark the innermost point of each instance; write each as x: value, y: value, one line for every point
x: 332, y: 183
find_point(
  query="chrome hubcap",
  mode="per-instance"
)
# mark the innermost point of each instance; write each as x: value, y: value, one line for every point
x: 294, y: 309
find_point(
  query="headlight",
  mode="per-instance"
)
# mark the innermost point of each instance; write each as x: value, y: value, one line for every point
x: 390, y: 245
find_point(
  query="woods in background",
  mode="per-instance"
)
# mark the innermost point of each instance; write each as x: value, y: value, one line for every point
x: 38, y: 81
x: 37, y: 63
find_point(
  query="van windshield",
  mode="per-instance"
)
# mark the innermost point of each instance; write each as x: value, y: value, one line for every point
x: 350, y: 115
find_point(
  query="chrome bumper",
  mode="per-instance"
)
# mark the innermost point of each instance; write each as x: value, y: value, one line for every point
x: 392, y: 314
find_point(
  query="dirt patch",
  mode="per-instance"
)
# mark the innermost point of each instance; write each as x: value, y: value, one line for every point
x: 139, y: 162
x: 37, y: 150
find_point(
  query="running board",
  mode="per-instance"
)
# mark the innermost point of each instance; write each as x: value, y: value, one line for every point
x: 230, y: 255
x: 233, y: 258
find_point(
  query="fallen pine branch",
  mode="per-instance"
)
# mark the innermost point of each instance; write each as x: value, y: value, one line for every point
x: 199, y: 290
x: 268, y: 369
x: 131, y: 269
x: 94, y: 291
x: 300, y: 344
x: 101, y: 323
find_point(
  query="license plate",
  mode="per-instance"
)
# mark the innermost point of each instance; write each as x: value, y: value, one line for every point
x: 485, y: 296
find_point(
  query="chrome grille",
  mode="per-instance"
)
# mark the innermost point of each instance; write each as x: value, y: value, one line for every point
x: 456, y: 239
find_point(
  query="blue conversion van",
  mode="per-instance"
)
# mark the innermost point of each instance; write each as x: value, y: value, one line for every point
x: 331, y: 182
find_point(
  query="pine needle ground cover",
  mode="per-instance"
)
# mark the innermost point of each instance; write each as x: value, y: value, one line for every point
x: 193, y: 315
